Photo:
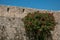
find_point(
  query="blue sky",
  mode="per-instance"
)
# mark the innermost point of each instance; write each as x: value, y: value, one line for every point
x: 39, y: 4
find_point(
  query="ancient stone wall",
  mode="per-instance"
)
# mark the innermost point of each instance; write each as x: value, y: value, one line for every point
x: 12, y: 27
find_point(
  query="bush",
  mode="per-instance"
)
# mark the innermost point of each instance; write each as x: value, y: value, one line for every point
x: 39, y: 22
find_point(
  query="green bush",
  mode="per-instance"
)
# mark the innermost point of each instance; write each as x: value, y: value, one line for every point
x: 39, y: 22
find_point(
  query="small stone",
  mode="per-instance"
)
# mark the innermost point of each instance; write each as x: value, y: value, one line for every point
x: 17, y: 36
x: 7, y: 37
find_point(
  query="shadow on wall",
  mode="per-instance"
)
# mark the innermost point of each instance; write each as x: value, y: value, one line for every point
x: 39, y: 36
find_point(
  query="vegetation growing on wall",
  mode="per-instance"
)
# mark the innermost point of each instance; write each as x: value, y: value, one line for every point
x: 38, y: 25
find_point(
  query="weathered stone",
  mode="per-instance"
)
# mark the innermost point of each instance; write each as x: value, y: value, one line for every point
x: 12, y: 27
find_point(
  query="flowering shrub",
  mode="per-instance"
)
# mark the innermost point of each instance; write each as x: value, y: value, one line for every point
x: 39, y: 22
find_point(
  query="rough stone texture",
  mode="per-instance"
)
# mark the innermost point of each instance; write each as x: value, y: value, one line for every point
x: 12, y: 27
x: 56, y: 32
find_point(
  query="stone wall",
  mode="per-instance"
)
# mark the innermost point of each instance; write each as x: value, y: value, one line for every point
x: 12, y: 27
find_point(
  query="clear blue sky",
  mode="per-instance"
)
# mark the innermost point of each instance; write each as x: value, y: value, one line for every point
x: 39, y: 4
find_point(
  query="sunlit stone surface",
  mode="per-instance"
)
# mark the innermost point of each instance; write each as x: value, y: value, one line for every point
x: 12, y: 27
